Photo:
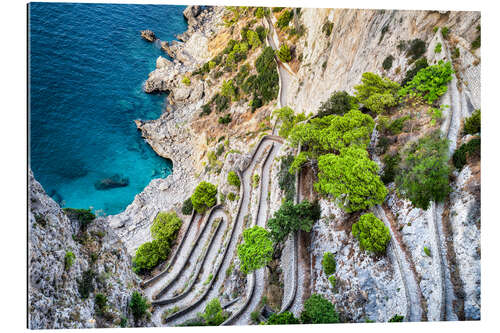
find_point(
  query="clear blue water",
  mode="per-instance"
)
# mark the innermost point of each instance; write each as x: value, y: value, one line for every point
x: 87, y: 67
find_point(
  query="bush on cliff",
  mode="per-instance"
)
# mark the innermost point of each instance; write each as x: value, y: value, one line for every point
x: 466, y: 150
x: 284, y: 54
x: 318, y: 310
x: 204, y: 197
x: 233, y: 179
x: 187, y: 207
x: 213, y: 314
x: 138, y: 305
x: 472, y: 124
x: 376, y: 93
x: 286, y: 180
x: 339, y: 103
x: 284, y: 318
x: 290, y: 218
x: 372, y: 234
x: 256, y: 250
x: 328, y: 263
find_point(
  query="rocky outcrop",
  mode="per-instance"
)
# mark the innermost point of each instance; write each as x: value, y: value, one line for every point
x: 148, y: 35
x: 54, y: 288
x: 111, y: 182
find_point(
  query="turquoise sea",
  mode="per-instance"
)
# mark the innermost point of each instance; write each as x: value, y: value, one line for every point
x: 87, y: 65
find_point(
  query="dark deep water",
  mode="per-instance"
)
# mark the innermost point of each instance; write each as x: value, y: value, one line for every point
x: 87, y: 66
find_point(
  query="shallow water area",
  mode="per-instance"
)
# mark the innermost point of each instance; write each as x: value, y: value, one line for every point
x: 87, y: 67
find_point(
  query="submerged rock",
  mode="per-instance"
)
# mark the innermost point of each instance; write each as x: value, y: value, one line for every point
x: 111, y: 182
x: 148, y: 35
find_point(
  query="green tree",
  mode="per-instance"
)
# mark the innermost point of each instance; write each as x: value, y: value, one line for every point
x: 138, y: 305
x: 204, y: 197
x: 376, y: 93
x: 213, y: 314
x: 318, y: 310
x: 288, y: 120
x: 328, y: 263
x: 351, y: 178
x: 147, y: 256
x: 291, y: 218
x: 256, y: 250
x: 472, y: 148
x: 259, y: 12
x: 472, y: 124
x: 372, y: 234
x: 165, y: 228
x: 253, y: 39
x: 339, y: 103
x: 333, y: 133
x: 424, y: 171
x: 284, y: 318
x: 284, y: 54
x: 187, y: 207
x: 286, y: 180
x: 100, y: 303
x: 228, y: 90
x: 69, y: 258
x: 396, y: 318
x: 233, y: 179
x: 284, y: 19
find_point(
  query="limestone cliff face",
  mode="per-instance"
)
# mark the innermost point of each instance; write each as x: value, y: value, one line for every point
x: 54, y: 300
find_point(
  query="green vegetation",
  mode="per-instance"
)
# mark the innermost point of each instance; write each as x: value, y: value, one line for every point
x: 285, y: 318
x: 376, y: 93
x: 391, y: 167
x: 333, y: 281
x: 424, y: 171
x: 187, y: 207
x: 417, y: 66
x: 436, y: 114
x: 427, y: 251
x: 445, y: 32
x: 69, y: 258
x: 138, y: 305
x: 123, y: 322
x: 255, y: 316
x: 86, y: 284
x: 288, y: 120
x: 328, y: 263
x: 466, y: 151
x: 339, y: 103
x: 438, y: 48
x: 396, y: 318
x: 327, y: 28
x: 213, y: 315
x: 204, y: 197
x: 260, y: 12
x: 284, y: 54
x: 163, y: 231
x: 84, y: 216
x: 394, y: 127
x: 455, y: 53
x: 318, y: 310
x: 254, y: 39
x: 231, y: 196
x: 228, y: 90
x: 430, y: 83
x: 284, y: 19
x: 265, y: 85
x: 416, y: 49
x: 472, y: 124
x: 372, y: 234
x: 334, y: 133
x: 350, y: 178
x: 387, y: 64
x: 256, y: 179
x: 256, y: 250
x: 286, y: 180
x: 100, y: 303
x: 233, y: 179
x: 290, y: 218
x: 186, y: 81
x: 225, y: 120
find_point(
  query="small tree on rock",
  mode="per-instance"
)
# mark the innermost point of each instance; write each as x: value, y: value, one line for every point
x: 204, y: 197
x: 318, y: 310
x: 372, y: 234
x: 256, y: 251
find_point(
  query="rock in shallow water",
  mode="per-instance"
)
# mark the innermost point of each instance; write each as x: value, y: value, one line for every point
x: 148, y: 35
x: 111, y: 182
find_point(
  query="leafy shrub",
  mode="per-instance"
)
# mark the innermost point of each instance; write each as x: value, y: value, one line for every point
x: 221, y: 102
x: 84, y: 216
x: 327, y: 28
x: 438, y: 48
x: 206, y: 109
x: 138, y: 305
x: 284, y: 19
x: 372, y: 234
x: 100, y: 303
x: 284, y: 318
x: 298, y: 162
x: 225, y: 120
x: 328, y: 263
x: 186, y: 81
x: 256, y: 179
x: 288, y: 120
x: 436, y: 113
x: 350, y: 178
x: 256, y: 250
x: 277, y: 9
x: 260, y: 12
x: 466, y: 150
x: 416, y: 49
x: 123, y: 322
x: 290, y: 218
x: 86, y: 284
x: 253, y: 39
x: 376, y: 93
x: 255, y: 316
x: 338, y: 103
x: 262, y: 32
x: 427, y: 251
x: 395, y: 127
x: 242, y: 74
x: 387, y: 64
x: 187, y: 207
x: 286, y: 180
x: 417, y: 65
x: 231, y: 196
x: 476, y: 43
x: 228, y: 89
x: 472, y: 124
x: 445, y: 32
x: 147, y: 256
x: 213, y: 314
x: 382, y: 145
x: 69, y: 258
x: 424, y: 171
x: 333, y: 281
x: 333, y: 133
x: 391, y: 167
x: 318, y: 310
x: 284, y: 53
x: 266, y: 84
x: 430, y: 82
x: 204, y: 197
x: 233, y: 179
x: 396, y: 318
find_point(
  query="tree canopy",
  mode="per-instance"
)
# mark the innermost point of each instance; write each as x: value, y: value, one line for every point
x: 377, y: 93
x: 350, y: 178
x: 256, y: 250
x: 288, y: 120
x: 204, y: 197
x: 284, y: 318
x: 213, y: 314
x: 339, y: 103
x: 318, y: 310
x: 372, y: 233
